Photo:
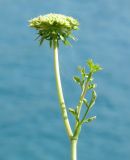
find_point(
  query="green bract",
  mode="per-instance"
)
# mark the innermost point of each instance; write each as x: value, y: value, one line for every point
x: 54, y: 26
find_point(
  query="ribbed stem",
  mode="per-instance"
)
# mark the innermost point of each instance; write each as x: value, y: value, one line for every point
x: 60, y: 92
x: 73, y: 149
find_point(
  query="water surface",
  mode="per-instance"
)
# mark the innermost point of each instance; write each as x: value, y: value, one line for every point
x: 30, y: 120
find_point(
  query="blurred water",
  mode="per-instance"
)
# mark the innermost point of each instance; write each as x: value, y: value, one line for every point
x: 30, y: 120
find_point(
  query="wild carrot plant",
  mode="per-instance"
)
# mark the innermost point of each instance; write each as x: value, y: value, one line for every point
x: 55, y: 28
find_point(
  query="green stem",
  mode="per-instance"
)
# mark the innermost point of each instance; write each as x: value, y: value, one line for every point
x: 81, y: 98
x: 73, y: 149
x: 79, y: 106
x: 60, y: 92
x: 85, y: 115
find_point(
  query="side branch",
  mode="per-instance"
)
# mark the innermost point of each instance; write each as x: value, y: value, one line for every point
x: 81, y: 99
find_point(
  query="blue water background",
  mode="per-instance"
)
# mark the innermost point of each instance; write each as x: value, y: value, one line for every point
x: 30, y: 120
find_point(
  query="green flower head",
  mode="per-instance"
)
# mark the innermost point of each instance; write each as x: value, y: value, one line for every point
x: 54, y: 26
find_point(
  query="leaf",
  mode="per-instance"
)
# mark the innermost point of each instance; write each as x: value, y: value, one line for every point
x: 41, y: 41
x: 62, y: 38
x: 76, y: 79
x: 97, y: 67
x: 71, y: 110
x: 93, y: 99
x: 37, y: 37
x: 89, y: 119
x: 91, y: 86
x: 67, y: 43
x: 94, y: 95
x: 82, y: 71
x: 86, y: 102
x: 79, y: 68
x: 90, y: 64
x: 82, y: 84
x: 89, y: 78
x: 93, y: 67
x: 74, y: 113
x: 58, y: 44
x: 51, y: 43
x: 72, y: 37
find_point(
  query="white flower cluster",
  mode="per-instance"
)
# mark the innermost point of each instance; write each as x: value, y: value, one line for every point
x: 54, y: 26
x: 58, y: 21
